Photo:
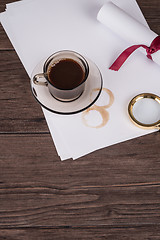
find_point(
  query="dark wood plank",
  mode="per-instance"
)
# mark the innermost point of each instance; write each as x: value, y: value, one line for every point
x: 26, y: 156
x: 151, y: 11
x: 36, y: 205
x: 5, y: 43
x: 17, y: 101
x: 112, y: 186
x: 110, y: 233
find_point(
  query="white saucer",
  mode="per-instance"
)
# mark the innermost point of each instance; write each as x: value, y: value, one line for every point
x: 43, y: 96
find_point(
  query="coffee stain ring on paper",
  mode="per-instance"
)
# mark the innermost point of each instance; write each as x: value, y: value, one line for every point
x: 101, y: 109
x: 111, y: 96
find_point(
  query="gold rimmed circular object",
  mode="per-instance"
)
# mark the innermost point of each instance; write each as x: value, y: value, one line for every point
x: 155, y: 124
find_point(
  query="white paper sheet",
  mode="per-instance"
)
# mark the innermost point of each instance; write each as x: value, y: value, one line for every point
x: 40, y: 27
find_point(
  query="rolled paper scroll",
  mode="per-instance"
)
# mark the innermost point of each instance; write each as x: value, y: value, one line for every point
x: 128, y: 28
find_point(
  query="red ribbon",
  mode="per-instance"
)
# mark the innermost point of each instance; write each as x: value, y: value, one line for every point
x: 154, y: 47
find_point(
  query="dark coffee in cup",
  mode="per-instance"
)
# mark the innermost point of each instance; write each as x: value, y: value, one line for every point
x: 66, y: 74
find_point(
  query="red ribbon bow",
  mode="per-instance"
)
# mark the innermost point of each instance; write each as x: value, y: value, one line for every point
x: 154, y: 47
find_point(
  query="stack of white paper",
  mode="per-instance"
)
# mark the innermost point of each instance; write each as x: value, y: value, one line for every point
x: 38, y: 28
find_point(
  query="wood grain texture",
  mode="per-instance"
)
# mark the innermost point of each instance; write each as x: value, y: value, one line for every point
x: 46, y: 206
x: 117, y: 188
x: 113, y: 193
x: 151, y: 12
x: 17, y: 102
x: 132, y: 162
x: 126, y: 233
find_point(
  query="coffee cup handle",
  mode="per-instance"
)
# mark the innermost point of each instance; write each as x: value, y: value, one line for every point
x: 37, y: 81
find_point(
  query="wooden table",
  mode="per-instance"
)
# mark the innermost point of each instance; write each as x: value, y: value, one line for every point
x: 112, y: 193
